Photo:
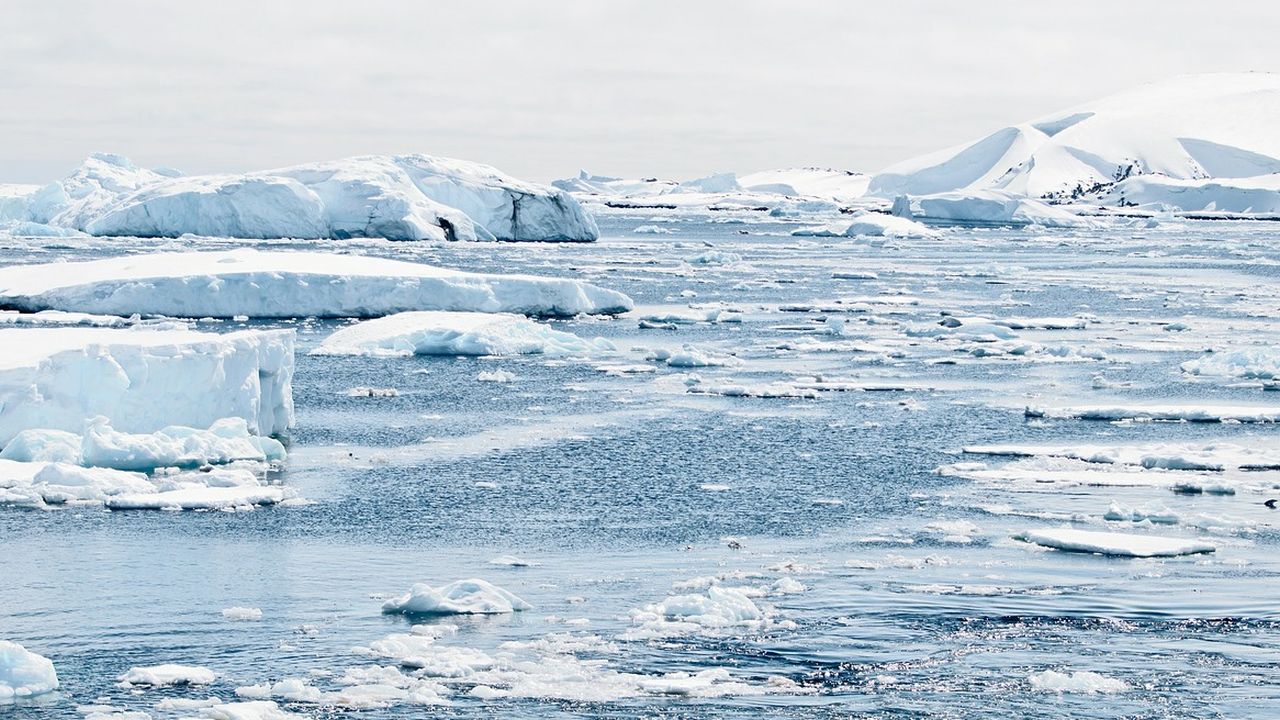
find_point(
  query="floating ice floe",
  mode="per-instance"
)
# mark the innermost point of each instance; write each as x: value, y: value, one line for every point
x: 869, y: 225
x: 24, y: 674
x: 461, y: 597
x: 718, y: 611
x: 456, y: 333
x: 398, y: 197
x: 167, y: 674
x: 1080, y: 681
x: 689, y: 356
x: 1260, y: 363
x: 258, y: 283
x: 249, y: 710
x: 1166, y: 413
x: 144, y: 380
x: 226, y: 441
x: 1115, y: 544
x: 1212, y: 456
x: 41, y: 484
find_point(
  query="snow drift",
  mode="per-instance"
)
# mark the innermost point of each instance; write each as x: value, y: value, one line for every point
x: 287, y: 284
x: 398, y: 197
x: 144, y: 380
x: 1186, y: 128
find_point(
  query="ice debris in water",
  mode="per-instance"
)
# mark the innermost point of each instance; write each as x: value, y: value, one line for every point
x: 719, y: 610
x: 23, y: 673
x: 1080, y: 681
x: 242, y: 613
x: 99, y: 445
x: 461, y: 597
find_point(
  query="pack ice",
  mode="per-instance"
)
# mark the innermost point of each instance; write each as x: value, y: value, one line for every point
x: 1181, y: 136
x: 143, y: 380
x: 288, y: 284
x: 400, y: 197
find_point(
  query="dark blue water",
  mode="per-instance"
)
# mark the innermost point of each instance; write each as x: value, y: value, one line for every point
x: 600, y: 479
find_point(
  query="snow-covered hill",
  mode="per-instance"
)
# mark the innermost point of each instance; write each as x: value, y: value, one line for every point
x: 1187, y: 128
x: 402, y: 197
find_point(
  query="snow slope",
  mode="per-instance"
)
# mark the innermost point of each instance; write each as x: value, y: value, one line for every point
x: 398, y: 197
x: 144, y: 380
x: 287, y: 284
x: 1188, y: 127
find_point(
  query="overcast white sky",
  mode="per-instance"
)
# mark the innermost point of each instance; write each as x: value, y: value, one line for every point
x: 543, y: 88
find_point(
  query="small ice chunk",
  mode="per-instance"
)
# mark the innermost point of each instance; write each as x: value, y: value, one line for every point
x: 242, y: 613
x: 167, y: 674
x: 1081, y: 681
x: 23, y: 673
x: 461, y: 597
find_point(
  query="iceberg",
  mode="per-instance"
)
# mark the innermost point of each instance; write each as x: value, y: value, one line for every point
x: 287, y: 284
x: 1189, y: 127
x: 992, y: 207
x: 144, y: 381
x: 456, y: 333
x: 400, y: 197
x: 23, y: 673
x: 1115, y: 544
x: 462, y: 597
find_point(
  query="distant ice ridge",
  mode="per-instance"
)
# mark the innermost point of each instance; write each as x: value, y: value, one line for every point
x: 144, y: 380
x: 1189, y: 128
x: 456, y: 333
x: 24, y: 674
x: 398, y: 197
x: 288, y: 284
x: 870, y: 225
x: 461, y: 597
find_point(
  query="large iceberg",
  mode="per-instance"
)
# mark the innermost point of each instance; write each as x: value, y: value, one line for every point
x: 398, y: 197
x: 456, y: 333
x: 144, y: 380
x: 992, y: 207
x: 1189, y: 128
x: 287, y: 284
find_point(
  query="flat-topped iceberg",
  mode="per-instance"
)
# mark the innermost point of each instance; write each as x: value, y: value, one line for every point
x: 1116, y: 544
x: 456, y: 333
x: 144, y: 380
x: 398, y: 197
x: 288, y: 284
x: 991, y: 207
x: 23, y: 673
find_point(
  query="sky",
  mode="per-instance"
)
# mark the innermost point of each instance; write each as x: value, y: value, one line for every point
x: 544, y: 88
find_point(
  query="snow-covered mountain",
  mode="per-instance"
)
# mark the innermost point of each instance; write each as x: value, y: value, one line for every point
x: 1188, y: 128
x: 401, y: 197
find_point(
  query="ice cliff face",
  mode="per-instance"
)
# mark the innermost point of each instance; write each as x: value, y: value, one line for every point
x: 403, y: 197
